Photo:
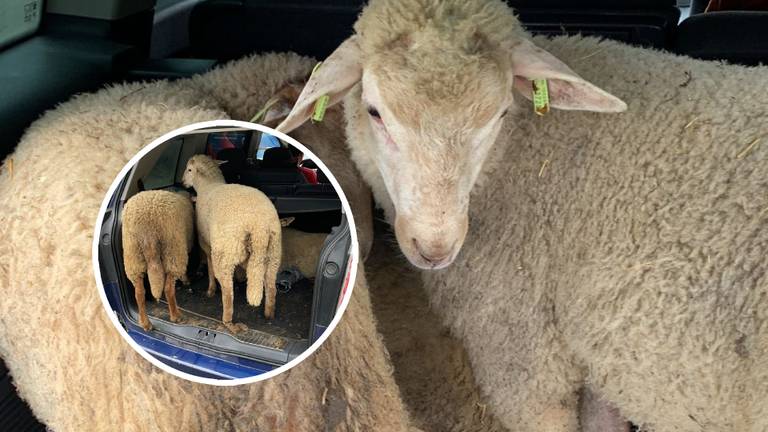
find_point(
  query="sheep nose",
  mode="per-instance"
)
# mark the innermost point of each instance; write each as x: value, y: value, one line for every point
x: 434, y: 255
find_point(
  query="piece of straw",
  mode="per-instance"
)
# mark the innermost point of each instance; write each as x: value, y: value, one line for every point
x: 748, y: 148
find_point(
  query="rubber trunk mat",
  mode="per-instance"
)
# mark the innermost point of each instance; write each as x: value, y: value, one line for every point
x: 292, y: 312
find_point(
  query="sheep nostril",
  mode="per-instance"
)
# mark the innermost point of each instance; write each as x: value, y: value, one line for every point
x: 431, y: 257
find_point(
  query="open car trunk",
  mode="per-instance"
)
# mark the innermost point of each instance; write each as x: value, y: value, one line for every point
x: 305, y: 304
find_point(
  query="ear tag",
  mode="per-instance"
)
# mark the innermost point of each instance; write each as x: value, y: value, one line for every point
x: 540, y: 96
x: 322, y: 102
x: 320, y: 106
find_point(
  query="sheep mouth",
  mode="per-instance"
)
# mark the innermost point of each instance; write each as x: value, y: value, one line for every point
x: 426, y: 263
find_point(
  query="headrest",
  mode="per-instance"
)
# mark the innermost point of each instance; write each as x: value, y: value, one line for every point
x: 278, y: 157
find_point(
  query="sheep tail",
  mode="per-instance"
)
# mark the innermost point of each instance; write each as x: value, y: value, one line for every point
x: 254, y: 269
x: 274, y: 255
x: 155, y: 269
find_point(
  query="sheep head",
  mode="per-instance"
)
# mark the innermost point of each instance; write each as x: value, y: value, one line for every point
x: 200, y: 170
x: 426, y: 87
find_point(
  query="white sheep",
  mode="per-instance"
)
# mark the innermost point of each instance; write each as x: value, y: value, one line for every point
x: 66, y: 358
x: 237, y: 225
x: 157, y: 236
x: 302, y: 250
x: 621, y: 252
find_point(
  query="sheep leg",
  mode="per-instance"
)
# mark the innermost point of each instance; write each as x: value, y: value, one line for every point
x: 170, y: 296
x: 141, y: 302
x: 228, y: 300
x: 211, y: 277
x: 598, y: 415
x: 269, y: 278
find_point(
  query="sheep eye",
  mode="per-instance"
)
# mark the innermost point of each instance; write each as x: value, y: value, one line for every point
x: 504, y: 113
x: 373, y: 112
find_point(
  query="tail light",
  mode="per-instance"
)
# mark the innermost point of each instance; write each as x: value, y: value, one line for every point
x: 345, y: 284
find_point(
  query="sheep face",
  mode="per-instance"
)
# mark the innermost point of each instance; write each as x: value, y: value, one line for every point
x: 425, y: 108
x: 201, y: 168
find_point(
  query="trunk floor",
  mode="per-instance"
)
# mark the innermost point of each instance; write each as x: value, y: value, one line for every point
x: 292, y: 312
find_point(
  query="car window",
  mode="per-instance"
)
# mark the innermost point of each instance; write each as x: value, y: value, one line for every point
x: 163, y: 174
x: 267, y: 141
x: 218, y: 141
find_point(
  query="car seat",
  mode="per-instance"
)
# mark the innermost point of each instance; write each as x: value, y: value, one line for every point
x: 736, y: 36
x: 277, y: 167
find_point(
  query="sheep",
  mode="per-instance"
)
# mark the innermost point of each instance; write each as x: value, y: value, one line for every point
x: 157, y: 231
x: 66, y: 358
x: 237, y: 226
x: 622, y: 255
x: 301, y: 250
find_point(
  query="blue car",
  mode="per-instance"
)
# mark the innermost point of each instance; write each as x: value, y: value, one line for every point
x: 199, y: 345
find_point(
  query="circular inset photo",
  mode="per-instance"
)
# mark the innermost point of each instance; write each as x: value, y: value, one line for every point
x: 225, y: 252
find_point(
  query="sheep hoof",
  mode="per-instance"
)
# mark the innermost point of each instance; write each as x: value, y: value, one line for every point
x: 146, y: 325
x: 235, y: 328
x: 175, y: 318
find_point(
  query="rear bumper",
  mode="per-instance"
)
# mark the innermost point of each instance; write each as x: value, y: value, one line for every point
x: 196, y: 363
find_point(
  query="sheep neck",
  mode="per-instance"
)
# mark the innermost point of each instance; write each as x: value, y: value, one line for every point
x: 204, y: 185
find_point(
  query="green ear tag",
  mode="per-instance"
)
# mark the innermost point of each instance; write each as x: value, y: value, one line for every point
x: 540, y: 96
x: 320, y: 105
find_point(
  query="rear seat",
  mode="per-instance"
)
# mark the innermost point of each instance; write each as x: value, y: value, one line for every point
x: 277, y: 167
x: 226, y: 29
x: 735, y: 36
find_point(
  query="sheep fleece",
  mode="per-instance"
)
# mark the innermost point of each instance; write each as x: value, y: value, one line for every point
x: 67, y: 359
x: 627, y: 251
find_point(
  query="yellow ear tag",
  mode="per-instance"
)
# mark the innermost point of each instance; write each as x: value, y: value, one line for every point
x: 321, y: 104
x: 540, y: 96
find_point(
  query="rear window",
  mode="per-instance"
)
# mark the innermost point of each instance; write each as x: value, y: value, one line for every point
x: 267, y: 141
x: 163, y: 174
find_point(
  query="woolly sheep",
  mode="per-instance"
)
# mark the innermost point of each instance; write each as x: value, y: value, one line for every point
x: 302, y: 250
x: 102, y: 383
x: 157, y: 236
x: 237, y: 226
x: 621, y: 252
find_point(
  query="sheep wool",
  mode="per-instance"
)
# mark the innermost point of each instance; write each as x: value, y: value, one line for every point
x: 628, y: 253
x: 67, y: 360
x: 302, y: 250
x: 157, y: 236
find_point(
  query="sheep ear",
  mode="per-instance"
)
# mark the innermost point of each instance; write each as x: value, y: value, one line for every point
x: 284, y: 222
x: 281, y: 103
x: 334, y: 78
x: 567, y: 90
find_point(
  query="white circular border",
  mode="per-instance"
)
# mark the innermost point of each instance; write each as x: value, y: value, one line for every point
x: 212, y: 381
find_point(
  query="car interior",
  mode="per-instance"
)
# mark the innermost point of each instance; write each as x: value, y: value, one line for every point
x: 53, y: 49
x: 258, y: 160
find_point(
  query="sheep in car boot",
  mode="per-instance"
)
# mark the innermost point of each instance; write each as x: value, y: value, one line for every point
x: 237, y: 225
x: 157, y: 236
